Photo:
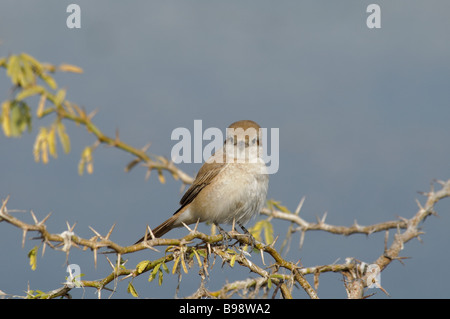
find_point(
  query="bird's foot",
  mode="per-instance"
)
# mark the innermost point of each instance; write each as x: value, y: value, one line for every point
x: 249, y: 235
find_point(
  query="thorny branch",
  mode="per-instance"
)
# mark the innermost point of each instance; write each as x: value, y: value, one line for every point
x: 191, y: 246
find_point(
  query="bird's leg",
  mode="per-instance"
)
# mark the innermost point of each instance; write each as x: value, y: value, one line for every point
x: 226, y: 237
x: 250, y: 236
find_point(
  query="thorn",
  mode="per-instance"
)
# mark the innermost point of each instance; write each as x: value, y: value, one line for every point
x: 147, y: 245
x: 302, y: 239
x: 34, y: 217
x: 147, y: 174
x: 441, y: 182
x: 316, y: 280
x: 146, y: 234
x: 126, y: 277
x: 386, y: 237
x: 196, y: 225
x: 187, y: 227
x: 418, y: 204
x: 146, y: 147
x: 322, y: 221
x: 110, y: 263
x: 70, y: 229
x: 151, y: 232
x: 384, y: 290
x: 262, y: 256
x: 4, y: 202
x: 335, y: 262
x: 95, y: 258
x: 299, y: 206
x: 45, y: 219
x: 92, y: 114
x: 95, y: 232
x: 24, y: 234
x: 274, y: 241
x: 118, y: 261
x: 110, y: 231
x: 43, y: 249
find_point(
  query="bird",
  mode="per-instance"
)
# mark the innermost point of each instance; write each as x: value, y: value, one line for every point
x: 230, y: 187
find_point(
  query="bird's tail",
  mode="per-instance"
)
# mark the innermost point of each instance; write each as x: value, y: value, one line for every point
x: 161, y: 229
x: 166, y: 226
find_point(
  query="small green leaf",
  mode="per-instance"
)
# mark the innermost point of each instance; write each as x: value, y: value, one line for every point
x: 160, y: 277
x: 20, y: 118
x: 6, y: 120
x: 51, y: 141
x: 175, y: 264
x: 70, y: 68
x: 156, y: 269
x: 33, y: 90
x: 32, y: 256
x: 198, y: 258
x: 63, y: 137
x: 232, y: 261
x: 165, y: 268
x: 268, y: 232
x: 132, y: 290
x: 49, y: 80
x: 282, y: 208
x: 59, y: 98
x: 13, y: 69
x: 142, y: 265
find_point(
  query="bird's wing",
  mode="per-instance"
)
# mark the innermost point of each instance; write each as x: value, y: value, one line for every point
x: 204, y: 177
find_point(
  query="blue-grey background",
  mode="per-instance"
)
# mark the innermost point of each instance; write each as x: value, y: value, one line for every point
x: 363, y: 117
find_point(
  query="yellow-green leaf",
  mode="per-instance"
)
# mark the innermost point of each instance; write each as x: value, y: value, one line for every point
x: 49, y: 80
x: 175, y: 264
x: 59, y: 98
x: 256, y: 230
x: 160, y: 278
x: 183, y: 264
x: 232, y: 261
x: 282, y: 208
x: 70, y: 68
x: 20, y: 118
x: 161, y: 178
x: 37, y: 89
x: 142, y: 265
x: 6, y: 121
x: 198, y: 258
x: 132, y: 290
x: 35, y: 63
x: 41, y: 105
x: 63, y: 137
x: 32, y: 256
x: 268, y: 232
x: 155, y: 270
x: 40, y: 148
x: 86, y: 160
x: 51, y: 140
x: 165, y: 268
x: 13, y: 69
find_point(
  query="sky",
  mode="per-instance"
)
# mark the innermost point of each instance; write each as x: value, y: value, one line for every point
x: 363, y: 117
